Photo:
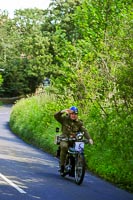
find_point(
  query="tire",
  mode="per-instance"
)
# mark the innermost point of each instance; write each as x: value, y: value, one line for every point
x: 79, y: 169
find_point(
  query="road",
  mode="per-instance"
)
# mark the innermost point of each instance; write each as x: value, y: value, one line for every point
x: 27, y: 173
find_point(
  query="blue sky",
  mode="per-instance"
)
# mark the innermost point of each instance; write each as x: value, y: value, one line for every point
x: 11, y: 5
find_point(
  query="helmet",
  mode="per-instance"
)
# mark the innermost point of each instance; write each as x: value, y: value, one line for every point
x: 74, y: 109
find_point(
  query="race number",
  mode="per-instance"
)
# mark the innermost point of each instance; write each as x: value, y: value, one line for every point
x: 79, y: 146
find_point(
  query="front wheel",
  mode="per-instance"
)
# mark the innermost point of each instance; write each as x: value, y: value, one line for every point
x: 79, y: 168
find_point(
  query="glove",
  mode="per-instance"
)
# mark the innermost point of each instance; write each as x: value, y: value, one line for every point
x: 65, y: 111
x: 91, y: 141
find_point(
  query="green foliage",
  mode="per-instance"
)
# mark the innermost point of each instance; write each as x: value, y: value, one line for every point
x: 1, y: 79
x: 36, y: 123
x: 24, y: 53
x: 113, y: 148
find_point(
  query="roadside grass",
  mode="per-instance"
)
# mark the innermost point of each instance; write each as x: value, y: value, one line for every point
x: 111, y: 156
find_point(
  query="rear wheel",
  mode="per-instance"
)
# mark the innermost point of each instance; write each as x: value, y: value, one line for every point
x: 79, y: 169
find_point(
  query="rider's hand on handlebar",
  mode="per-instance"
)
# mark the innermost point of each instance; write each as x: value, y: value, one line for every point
x: 91, y: 141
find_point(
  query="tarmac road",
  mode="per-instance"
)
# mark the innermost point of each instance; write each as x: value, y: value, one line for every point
x: 27, y: 173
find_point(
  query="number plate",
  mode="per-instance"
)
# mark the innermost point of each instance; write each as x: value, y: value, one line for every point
x: 79, y: 146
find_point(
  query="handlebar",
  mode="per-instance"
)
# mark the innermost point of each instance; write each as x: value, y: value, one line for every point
x: 69, y: 139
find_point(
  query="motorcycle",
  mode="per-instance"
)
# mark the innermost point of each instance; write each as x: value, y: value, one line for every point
x: 75, y: 160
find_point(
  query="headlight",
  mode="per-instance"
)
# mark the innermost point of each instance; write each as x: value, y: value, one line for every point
x: 79, y: 136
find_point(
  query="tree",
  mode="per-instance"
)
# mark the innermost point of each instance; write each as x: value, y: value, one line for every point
x: 27, y: 60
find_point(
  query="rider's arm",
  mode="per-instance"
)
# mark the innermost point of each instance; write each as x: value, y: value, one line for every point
x: 86, y: 134
x: 59, y: 115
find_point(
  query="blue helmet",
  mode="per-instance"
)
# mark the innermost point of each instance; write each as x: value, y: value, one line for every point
x: 74, y: 109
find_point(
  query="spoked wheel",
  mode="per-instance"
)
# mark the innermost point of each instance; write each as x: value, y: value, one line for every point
x: 79, y: 169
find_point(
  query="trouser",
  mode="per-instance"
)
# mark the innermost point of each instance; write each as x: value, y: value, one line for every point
x: 63, y: 152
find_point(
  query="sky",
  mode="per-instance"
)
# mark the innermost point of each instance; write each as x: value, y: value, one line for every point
x: 11, y: 5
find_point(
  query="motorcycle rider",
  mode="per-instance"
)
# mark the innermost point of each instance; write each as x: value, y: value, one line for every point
x: 70, y: 126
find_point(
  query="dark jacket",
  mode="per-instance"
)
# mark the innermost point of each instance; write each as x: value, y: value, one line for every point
x: 70, y: 126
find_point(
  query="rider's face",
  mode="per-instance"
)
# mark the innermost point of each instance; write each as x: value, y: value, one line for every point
x: 73, y: 116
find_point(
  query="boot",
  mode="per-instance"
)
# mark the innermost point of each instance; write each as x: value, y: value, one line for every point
x: 62, y: 170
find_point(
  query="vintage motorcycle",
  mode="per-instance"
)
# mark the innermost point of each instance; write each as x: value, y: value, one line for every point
x: 75, y: 160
